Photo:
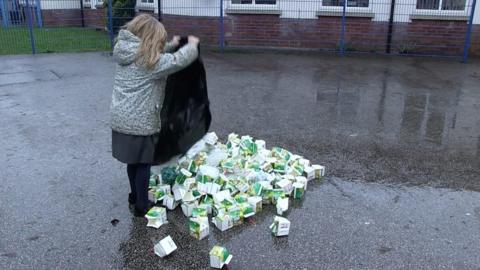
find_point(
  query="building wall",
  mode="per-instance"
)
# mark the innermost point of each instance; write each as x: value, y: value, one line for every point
x: 61, y: 17
x: 300, y: 29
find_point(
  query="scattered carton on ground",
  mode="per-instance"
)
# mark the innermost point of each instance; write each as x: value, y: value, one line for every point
x: 165, y: 247
x: 319, y: 171
x: 170, y: 202
x: 199, y: 227
x: 156, y: 216
x: 219, y: 256
x: 223, y: 222
x: 298, y: 190
x: 282, y: 205
x: 187, y: 208
x: 309, y: 173
x: 256, y: 203
x: 280, y: 226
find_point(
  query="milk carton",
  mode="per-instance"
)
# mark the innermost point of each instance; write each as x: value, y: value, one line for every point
x: 219, y: 256
x: 156, y: 217
x: 165, y: 247
x: 280, y: 226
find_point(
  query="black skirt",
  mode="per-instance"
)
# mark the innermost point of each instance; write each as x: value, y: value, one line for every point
x: 132, y: 149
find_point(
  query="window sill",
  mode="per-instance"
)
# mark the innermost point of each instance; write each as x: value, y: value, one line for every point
x: 439, y: 17
x: 339, y: 13
x: 253, y: 11
x: 146, y: 7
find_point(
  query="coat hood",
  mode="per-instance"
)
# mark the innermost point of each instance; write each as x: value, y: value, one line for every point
x: 126, y: 48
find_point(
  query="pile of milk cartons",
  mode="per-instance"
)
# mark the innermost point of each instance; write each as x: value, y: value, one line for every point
x: 230, y: 182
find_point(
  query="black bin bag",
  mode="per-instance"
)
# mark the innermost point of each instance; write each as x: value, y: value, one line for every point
x: 185, y: 113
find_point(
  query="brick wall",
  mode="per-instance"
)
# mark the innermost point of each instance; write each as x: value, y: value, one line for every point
x: 95, y: 18
x: 61, y: 17
x: 205, y: 27
x: 475, y: 48
x: 430, y: 37
x: 361, y: 34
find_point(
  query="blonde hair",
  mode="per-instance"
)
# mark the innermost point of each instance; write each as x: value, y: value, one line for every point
x: 153, y: 36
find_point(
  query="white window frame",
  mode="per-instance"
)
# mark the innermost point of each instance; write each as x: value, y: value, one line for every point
x: 147, y: 6
x: 441, y: 12
x: 349, y: 9
x: 440, y: 4
x: 92, y: 3
x: 254, y: 6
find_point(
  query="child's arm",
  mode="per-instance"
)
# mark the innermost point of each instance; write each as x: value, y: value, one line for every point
x: 171, y: 45
x: 172, y: 62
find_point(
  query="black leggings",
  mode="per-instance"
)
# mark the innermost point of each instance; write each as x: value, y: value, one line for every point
x: 139, y: 175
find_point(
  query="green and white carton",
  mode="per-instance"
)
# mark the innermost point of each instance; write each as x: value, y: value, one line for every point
x: 187, y: 208
x: 298, y: 190
x: 280, y: 226
x: 256, y: 203
x: 282, y: 205
x: 199, y: 212
x: 179, y: 192
x: 189, y: 183
x: 170, y: 202
x: 302, y: 180
x: 285, y: 185
x: 246, y: 210
x: 309, y: 173
x: 198, y: 227
x: 319, y: 171
x: 165, y: 247
x: 182, y: 176
x: 219, y: 256
x: 223, y: 222
x: 156, y: 216
x: 256, y: 189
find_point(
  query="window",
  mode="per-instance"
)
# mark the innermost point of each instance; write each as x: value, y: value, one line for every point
x: 350, y: 3
x: 254, y: 2
x: 441, y: 4
x: 147, y: 1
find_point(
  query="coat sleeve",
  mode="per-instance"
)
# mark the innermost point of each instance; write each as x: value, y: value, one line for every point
x: 170, y: 63
x: 169, y: 47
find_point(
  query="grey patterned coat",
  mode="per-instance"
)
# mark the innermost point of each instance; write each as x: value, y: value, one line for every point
x: 138, y: 93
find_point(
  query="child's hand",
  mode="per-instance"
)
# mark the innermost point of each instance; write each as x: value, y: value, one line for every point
x: 176, y: 40
x: 193, y: 40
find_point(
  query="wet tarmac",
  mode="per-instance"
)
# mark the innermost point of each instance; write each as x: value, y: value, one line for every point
x: 400, y: 138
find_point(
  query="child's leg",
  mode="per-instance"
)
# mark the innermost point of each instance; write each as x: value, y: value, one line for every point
x: 142, y: 177
x: 132, y: 171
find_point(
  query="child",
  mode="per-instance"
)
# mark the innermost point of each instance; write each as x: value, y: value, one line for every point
x: 144, y: 60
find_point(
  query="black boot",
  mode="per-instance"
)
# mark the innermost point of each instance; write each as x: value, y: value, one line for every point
x: 131, y: 198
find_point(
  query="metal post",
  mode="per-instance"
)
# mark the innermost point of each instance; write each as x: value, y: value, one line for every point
x: 222, y: 28
x: 110, y: 23
x: 390, y: 27
x: 159, y: 6
x: 82, y: 15
x: 30, y: 26
x: 468, y: 35
x: 5, y: 15
x: 342, y: 34
x: 39, y: 13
